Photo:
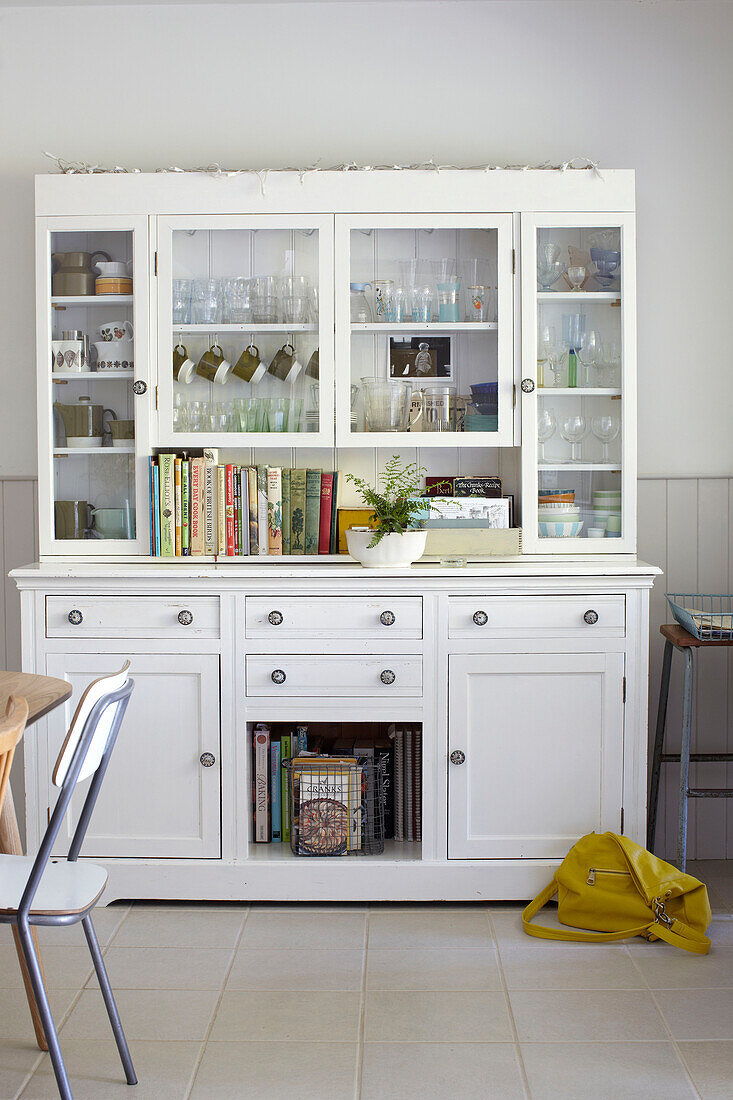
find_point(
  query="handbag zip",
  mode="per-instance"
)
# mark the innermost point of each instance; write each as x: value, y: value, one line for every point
x: 593, y: 871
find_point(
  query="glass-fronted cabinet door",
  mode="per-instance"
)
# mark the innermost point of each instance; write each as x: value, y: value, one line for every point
x: 93, y: 384
x: 578, y: 383
x: 424, y: 310
x: 245, y: 330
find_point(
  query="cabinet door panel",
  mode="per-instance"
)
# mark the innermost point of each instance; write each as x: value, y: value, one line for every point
x: 157, y: 799
x: 542, y: 736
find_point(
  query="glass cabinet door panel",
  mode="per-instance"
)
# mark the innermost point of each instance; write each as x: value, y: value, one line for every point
x: 424, y: 319
x: 578, y: 360
x: 245, y: 330
x: 90, y: 413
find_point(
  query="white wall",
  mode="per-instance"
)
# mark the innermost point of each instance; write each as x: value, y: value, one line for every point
x: 645, y: 85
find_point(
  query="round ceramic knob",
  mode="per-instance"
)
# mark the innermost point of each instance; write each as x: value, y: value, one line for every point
x: 275, y: 618
x: 480, y: 618
x: 387, y: 676
x: 207, y: 759
x: 278, y: 676
x: 527, y: 385
x: 139, y: 387
x: 457, y: 757
x: 591, y: 617
x: 387, y: 618
x: 185, y: 618
x: 75, y: 618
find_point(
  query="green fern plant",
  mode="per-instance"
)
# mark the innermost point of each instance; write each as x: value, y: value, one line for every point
x: 393, y: 501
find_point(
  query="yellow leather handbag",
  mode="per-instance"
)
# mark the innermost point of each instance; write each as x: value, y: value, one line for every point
x: 613, y: 886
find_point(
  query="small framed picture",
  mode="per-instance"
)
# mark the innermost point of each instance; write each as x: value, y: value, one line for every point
x: 421, y: 357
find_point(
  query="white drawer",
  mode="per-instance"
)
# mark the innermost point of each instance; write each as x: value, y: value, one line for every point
x: 131, y: 617
x: 385, y: 677
x: 478, y: 617
x: 333, y: 617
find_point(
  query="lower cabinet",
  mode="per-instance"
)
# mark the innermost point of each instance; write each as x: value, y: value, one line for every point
x: 158, y: 799
x: 536, y: 752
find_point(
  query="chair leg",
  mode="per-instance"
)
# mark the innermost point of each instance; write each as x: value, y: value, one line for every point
x: 658, y: 746
x: 44, y: 1009
x: 685, y: 759
x: 109, y: 1000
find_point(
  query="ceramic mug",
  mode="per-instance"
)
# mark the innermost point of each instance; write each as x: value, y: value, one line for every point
x: 71, y: 518
x: 249, y: 366
x: 67, y: 356
x: 184, y: 368
x: 115, y: 355
x: 313, y: 367
x: 116, y: 330
x: 122, y: 432
x: 110, y: 523
x: 213, y: 366
x: 284, y: 365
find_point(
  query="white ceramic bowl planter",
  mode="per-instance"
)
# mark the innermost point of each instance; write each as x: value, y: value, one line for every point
x: 391, y: 552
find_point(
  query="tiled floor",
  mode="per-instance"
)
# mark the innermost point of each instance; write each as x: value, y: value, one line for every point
x: 376, y: 1002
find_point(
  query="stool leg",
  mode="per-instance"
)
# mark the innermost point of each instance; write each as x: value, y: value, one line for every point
x: 658, y: 745
x: 685, y: 759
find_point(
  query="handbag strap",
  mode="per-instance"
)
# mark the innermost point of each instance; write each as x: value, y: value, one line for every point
x: 681, y: 935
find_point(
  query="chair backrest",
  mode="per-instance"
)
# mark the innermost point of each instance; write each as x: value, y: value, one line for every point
x: 11, y: 731
x: 105, y: 685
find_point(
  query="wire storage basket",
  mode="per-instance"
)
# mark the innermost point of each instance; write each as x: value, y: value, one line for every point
x: 707, y: 617
x: 336, y: 805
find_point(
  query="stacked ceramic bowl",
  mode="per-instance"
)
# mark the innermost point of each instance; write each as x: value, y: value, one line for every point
x: 559, y: 519
x: 607, y: 512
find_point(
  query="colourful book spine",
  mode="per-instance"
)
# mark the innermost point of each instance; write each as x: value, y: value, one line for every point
x: 179, y: 505
x: 156, y: 507
x: 286, y: 509
x: 262, y: 510
x: 221, y: 510
x: 229, y: 508
x: 237, y: 512
x: 297, y: 511
x: 285, y: 797
x: 275, y: 509
x: 262, y: 776
x: 185, y: 507
x: 299, y: 741
x: 276, y: 788
x: 195, y: 507
x: 151, y: 490
x: 254, y: 544
x: 333, y: 534
x: 167, y: 506
x: 312, y: 510
x: 244, y: 507
x: 324, y: 523
x: 210, y: 508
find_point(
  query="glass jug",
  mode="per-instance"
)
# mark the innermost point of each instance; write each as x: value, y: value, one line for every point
x: 361, y: 311
x: 387, y: 405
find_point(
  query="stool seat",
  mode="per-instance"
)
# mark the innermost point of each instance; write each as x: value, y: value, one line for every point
x: 682, y: 638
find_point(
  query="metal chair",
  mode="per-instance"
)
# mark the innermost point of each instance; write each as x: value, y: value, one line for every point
x: 63, y: 892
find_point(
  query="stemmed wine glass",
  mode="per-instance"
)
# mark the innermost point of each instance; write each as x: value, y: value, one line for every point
x: 574, y: 430
x: 577, y: 276
x: 546, y: 424
x: 589, y: 354
x: 606, y: 428
x: 550, y: 351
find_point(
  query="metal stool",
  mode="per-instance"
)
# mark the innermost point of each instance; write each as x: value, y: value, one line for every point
x: 678, y: 638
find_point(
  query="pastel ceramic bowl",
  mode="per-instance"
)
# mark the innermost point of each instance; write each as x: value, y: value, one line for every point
x: 560, y: 530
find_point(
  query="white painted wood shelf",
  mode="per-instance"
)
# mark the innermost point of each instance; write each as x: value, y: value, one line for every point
x: 61, y: 302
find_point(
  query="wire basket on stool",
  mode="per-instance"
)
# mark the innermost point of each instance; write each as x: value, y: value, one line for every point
x: 336, y: 806
x: 707, y: 617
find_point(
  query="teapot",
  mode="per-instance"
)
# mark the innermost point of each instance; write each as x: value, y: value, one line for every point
x: 73, y: 275
x: 83, y: 422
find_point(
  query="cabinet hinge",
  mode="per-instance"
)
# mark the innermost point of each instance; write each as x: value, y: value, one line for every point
x: 155, y: 267
x: 514, y: 396
x: 514, y: 262
x: 156, y: 405
x: 48, y: 815
x: 624, y: 690
x: 622, y: 820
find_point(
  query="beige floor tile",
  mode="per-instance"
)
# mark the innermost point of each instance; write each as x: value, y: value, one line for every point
x: 157, y: 927
x: 434, y: 929
x: 617, y: 1071
x: 17, y: 1059
x: 428, y: 969
x: 314, y: 1017
x: 665, y: 967
x: 274, y: 1071
x: 164, y: 1071
x: 699, y: 1014
x: 322, y: 928
x: 436, y: 1071
x: 611, y: 1015
x: 507, y: 925
x: 721, y: 931
x: 63, y: 967
x: 420, y: 1017
x: 15, y: 1017
x: 105, y: 919
x: 711, y: 1066
x: 319, y: 968
x: 563, y: 968
x: 167, y: 967
x: 152, y: 1014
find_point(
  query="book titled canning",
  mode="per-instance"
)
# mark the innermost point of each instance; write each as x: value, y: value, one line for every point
x: 329, y: 810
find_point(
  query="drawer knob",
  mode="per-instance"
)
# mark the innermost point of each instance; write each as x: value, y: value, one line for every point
x: 75, y: 617
x: 591, y: 617
x: 387, y: 618
x: 480, y: 618
x: 139, y: 387
x: 278, y: 676
x: 387, y: 676
x: 527, y: 385
x: 457, y: 757
x: 207, y: 759
x: 275, y: 618
x: 185, y: 618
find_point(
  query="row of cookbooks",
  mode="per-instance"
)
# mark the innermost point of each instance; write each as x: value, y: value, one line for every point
x: 342, y: 790
x: 199, y: 506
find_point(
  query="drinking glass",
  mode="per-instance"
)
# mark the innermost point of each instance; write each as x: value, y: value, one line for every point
x: 386, y: 405
x: 236, y: 301
x: 265, y: 310
x: 574, y: 430
x: 477, y: 302
x: 606, y: 428
x: 577, y: 276
x: 264, y: 286
x: 422, y: 304
x: 295, y: 309
x: 547, y: 254
x: 295, y: 286
x: 611, y: 362
x: 181, y: 304
x: 550, y: 352
x: 206, y: 303
x: 280, y: 414
x: 395, y: 303
x: 548, y: 274
x: 448, y: 293
x: 546, y: 424
x: 382, y: 290
x: 588, y: 351
x: 296, y: 413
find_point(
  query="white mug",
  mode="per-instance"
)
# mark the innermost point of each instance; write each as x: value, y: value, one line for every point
x: 116, y: 330
x: 114, y: 355
x: 67, y: 356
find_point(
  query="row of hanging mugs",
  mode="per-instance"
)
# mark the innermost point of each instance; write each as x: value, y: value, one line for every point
x: 214, y: 367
